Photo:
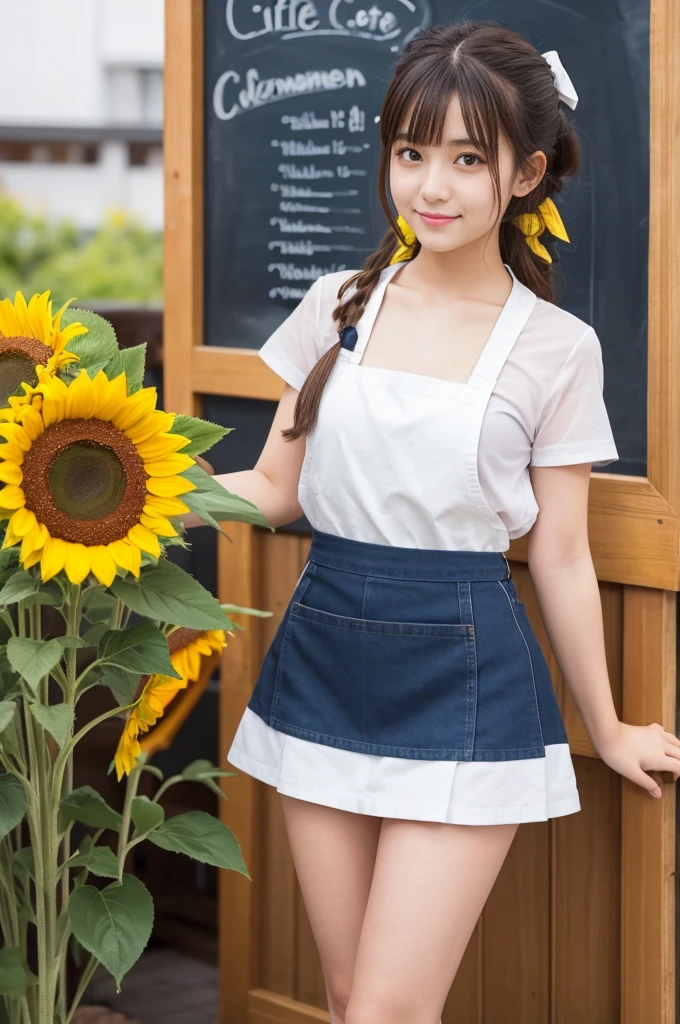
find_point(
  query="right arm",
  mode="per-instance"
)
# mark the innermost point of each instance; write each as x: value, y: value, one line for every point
x: 272, y: 485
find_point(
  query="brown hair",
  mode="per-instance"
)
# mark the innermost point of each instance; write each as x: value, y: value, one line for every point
x: 503, y: 83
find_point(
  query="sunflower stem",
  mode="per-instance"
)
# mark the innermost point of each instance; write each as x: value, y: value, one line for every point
x: 6, y: 617
x: 85, y: 980
x: 73, y: 621
x: 130, y: 794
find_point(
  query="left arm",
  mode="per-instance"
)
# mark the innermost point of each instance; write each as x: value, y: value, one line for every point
x: 568, y: 595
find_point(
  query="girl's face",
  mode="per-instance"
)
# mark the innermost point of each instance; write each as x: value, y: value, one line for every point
x: 445, y: 193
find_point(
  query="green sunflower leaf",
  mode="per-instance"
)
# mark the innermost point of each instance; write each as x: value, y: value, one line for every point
x: 201, y: 433
x: 221, y: 504
x: 33, y: 659
x: 100, y: 860
x: 237, y: 609
x: 129, y: 361
x: 22, y: 584
x: 56, y: 719
x: 122, y: 684
x: 142, y: 649
x: 206, y: 772
x: 12, y: 803
x: 202, y: 837
x: 7, y: 709
x: 97, y: 327
x: 146, y: 815
x: 86, y: 805
x: 94, y: 349
x: 114, y: 923
x: 15, y: 974
x: 98, y: 606
x: 167, y: 593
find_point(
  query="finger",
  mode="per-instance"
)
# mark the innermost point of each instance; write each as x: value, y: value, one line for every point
x: 672, y: 765
x: 672, y: 738
x: 647, y: 782
x: 673, y: 752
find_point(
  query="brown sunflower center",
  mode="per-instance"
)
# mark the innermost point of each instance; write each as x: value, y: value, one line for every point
x: 18, y: 360
x: 182, y: 637
x: 85, y: 481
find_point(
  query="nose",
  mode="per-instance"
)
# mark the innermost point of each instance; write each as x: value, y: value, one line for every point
x: 434, y: 187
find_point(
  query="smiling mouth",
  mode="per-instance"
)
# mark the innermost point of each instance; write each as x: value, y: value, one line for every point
x: 438, y: 216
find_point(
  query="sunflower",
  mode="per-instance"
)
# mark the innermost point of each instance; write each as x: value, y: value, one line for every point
x: 32, y: 339
x: 194, y: 654
x: 91, y: 475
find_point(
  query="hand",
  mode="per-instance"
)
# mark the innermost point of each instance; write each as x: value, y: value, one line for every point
x: 632, y: 750
x: 204, y: 464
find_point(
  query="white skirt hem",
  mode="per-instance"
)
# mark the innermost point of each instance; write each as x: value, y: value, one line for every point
x: 534, y: 789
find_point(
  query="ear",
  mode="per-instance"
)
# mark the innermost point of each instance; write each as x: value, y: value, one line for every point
x: 528, y: 178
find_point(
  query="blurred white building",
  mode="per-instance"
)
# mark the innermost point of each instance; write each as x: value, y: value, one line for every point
x: 81, y: 92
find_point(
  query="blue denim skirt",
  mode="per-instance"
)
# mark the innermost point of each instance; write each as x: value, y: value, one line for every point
x: 409, y: 652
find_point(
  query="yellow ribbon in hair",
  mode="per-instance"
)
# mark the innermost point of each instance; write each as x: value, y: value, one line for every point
x: 404, y: 252
x: 530, y: 224
x: 534, y: 224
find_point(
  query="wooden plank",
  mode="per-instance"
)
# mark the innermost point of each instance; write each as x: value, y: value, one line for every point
x: 516, y: 933
x: 240, y: 900
x: 269, y: 1008
x: 585, y: 871
x: 233, y: 371
x: 663, y: 391
x: 183, y: 199
x: 648, y: 825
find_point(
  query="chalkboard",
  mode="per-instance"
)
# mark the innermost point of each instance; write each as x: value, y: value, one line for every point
x: 293, y: 89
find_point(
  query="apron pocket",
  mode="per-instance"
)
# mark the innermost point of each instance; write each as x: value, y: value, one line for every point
x: 401, y: 689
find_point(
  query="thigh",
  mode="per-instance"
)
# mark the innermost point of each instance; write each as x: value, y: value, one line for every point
x: 334, y: 855
x: 430, y: 884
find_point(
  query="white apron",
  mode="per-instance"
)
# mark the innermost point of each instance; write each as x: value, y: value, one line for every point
x: 393, y: 460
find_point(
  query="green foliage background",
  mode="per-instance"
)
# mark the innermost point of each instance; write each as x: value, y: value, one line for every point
x: 123, y: 260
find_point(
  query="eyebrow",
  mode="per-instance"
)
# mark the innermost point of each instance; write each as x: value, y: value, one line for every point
x: 403, y: 136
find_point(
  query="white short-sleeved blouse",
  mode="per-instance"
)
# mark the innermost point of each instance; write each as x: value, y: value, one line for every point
x: 546, y: 409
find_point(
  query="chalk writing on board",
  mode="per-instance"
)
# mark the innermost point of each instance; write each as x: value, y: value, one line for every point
x: 260, y: 91
x: 293, y: 19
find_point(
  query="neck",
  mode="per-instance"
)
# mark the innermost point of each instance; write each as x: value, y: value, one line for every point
x: 469, y: 272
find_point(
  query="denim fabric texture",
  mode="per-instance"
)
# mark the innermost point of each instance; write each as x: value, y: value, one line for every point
x: 408, y: 652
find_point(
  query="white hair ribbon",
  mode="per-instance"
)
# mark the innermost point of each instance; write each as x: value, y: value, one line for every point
x: 563, y: 83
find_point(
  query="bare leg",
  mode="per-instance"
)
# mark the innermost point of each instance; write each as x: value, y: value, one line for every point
x: 430, y: 884
x: 334, y: 854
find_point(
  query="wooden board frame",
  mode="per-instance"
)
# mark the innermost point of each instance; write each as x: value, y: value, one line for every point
x: 634, y: 525
x: 634, y: 521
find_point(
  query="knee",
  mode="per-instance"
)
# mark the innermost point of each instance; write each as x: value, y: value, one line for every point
x: 386, y: 1010
x: 337, y: 994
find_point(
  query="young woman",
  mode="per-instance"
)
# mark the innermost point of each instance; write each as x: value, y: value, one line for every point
x: 435, y: 401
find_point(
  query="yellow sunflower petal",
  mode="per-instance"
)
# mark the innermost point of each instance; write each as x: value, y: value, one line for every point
x: 10, y: 473
x: 144, y: 539
x: 137, y: 406
x: 169, y: 486
x: 32, y: 559
x: 160, y: 446
x: 82, y: 398
x: 103, y: 564
x: 157, y: 423
x: 15, y: 434
x: 111, y: 395
x: 23, y: 521
x: 55, y: 395
x: 173, y: 465
x: 12, y: 496
x: 128, y: 556
x: 77, y: 564
x: 158, y: 524
x: 53, y: 558
x: 165, y: 506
